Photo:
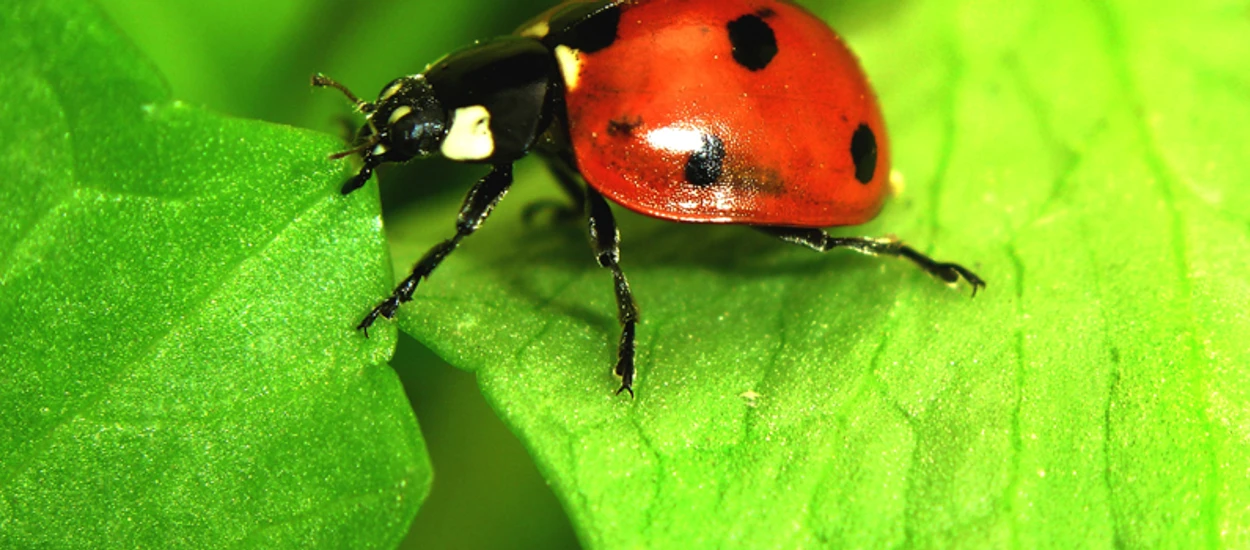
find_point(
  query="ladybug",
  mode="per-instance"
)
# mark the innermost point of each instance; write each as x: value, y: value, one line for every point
x: 706, y: 111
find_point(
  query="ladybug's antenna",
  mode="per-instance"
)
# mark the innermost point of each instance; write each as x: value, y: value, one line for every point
x: 322, y: 81
x: 368, y: 144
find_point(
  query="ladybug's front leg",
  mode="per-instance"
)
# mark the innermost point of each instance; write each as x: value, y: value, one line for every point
x: 606, y: 241
x: 819, y: 240
x: 478, y: 204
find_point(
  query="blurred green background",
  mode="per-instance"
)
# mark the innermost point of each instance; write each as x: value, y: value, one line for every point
x: 253, y: 60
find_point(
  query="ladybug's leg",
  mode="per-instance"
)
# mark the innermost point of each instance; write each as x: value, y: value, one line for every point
x: 606, y: 241
x: 357, y: 181
x: 365, y: 139
x: 478, y: 204
x: 821, y: 241
x: 364, y: 145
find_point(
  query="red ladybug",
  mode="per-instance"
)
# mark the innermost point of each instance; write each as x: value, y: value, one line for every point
x: 711, y: 111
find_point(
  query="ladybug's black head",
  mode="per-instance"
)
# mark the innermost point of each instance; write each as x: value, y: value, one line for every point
x: 493, y: 102
x: 405, y: 122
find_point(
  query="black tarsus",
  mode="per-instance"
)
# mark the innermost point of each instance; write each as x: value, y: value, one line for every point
x: 818, y: 240
x: 477, y: 206
x: 362, y: 177
x: 606, y: 240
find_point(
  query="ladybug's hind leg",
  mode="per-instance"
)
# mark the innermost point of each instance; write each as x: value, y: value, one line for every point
x: 819, y: 240
x: 606, y: 241
x: 477, y: 206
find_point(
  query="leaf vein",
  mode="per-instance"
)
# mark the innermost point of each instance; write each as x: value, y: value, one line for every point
x: 91, y: 400
x: 1168, y: 181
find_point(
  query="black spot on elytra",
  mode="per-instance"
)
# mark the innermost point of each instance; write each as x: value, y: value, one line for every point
x: 623, y: 126
x: 704, y: 166
x: 765, y: 13
x: 754, y: 44
x: 588, y: 27
x: 864, y: 153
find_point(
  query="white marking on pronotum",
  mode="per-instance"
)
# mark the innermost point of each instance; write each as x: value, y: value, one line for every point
x: 398, y: 113
x: 570, y: 61
x: 469, y: 137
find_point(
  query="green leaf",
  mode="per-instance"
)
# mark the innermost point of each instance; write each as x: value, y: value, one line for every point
x: 177, y: 292
x: 1087, y: 159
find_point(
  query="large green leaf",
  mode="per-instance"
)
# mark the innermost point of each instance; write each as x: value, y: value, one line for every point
x: 1088, y: 159
x: 176, y: 290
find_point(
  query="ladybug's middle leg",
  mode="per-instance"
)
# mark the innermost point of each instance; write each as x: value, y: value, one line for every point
x: 478, y: 204
x: 819, y: 240
x: 606, y: 241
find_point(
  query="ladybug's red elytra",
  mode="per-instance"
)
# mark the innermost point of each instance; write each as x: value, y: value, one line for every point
x: 710, y: 111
